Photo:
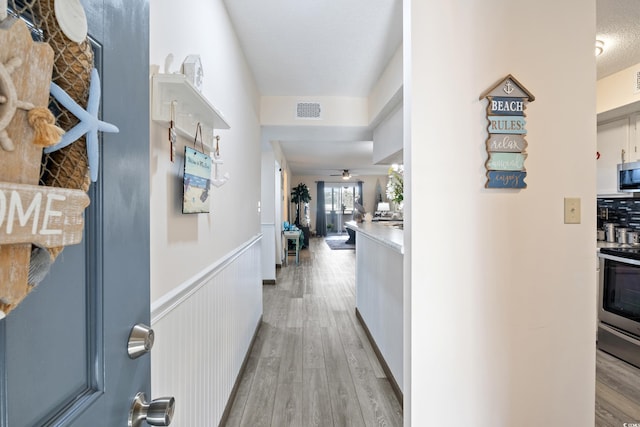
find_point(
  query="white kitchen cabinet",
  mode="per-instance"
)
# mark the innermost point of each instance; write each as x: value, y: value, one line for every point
x: 634, y: 137
x: 613, y: 147
x: 616, y: 142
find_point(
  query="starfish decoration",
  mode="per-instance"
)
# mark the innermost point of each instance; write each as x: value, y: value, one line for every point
x: 89, y: 122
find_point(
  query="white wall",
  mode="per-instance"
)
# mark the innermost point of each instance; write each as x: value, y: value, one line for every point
x: 387, y: 92
x: 270, y: 227
x: 617, y: 89
x: 387, y: 138
x: 281, y: 206
x: 206, y: 287
x: 502, y: 291
x: 182, y: 245
x: 279, y: 197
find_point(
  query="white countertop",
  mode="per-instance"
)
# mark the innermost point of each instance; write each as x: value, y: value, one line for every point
x: 382, y: 231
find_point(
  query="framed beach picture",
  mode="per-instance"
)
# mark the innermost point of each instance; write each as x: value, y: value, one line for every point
x: 197, y: 182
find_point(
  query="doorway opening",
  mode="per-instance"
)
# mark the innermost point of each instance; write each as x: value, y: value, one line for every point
x: 339, y: 202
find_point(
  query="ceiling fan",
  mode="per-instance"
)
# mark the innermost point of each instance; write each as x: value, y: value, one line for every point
x: 345, y: 174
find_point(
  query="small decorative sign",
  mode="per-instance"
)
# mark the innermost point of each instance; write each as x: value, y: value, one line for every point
x: 46, y: 216
x: 506, y: 179
x: 508, y: 124
x: 506, y: 144
x: 197, y: 181
x: 506, y: 106
x: 506, y: 161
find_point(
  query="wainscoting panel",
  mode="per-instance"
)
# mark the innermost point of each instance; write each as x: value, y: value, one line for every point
x: 202, y: 333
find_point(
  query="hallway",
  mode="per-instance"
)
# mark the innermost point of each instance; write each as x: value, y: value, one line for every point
x: 311, y: 363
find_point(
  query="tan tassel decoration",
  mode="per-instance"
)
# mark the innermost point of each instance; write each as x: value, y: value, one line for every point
x: 44, y: 125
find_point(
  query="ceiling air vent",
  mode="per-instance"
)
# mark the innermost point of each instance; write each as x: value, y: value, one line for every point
x: 637, y: 82
x: 308, y: 110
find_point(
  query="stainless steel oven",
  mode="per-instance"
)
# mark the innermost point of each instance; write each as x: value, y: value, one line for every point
x: 619, y: 303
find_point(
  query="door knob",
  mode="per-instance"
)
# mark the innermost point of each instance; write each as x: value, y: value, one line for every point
x: 141, y: 340
x: 158, y: 412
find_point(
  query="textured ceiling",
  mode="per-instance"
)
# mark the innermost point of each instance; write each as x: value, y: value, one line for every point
x: 618, y: 26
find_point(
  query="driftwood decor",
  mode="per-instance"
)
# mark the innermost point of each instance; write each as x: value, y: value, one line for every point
x: 45, y: 216
x: 506, y: 144
x: 30, y: 83
x: 30, y: 214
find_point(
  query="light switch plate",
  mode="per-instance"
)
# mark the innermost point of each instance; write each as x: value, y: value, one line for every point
x: 572, y: 210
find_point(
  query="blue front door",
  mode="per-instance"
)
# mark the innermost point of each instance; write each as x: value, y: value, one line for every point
x: 63, y: 351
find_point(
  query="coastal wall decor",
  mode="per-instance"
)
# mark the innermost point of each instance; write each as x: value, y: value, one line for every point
x: 196, y: 181
x: 25, y: 74
x: 192, y: 68
x: 218, y: 180
x: 196, y: 178
x: 506, y: 144
x: 43, y: 186
x: 32, y: 216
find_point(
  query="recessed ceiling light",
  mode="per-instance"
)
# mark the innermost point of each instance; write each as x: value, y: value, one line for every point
x: 599, y: 47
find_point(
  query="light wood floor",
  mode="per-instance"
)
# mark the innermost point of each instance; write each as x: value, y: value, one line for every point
x: 617, y: 392
x: 311, y: 363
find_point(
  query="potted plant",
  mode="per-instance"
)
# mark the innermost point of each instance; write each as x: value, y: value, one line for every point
x: 300, y: 194
x: 395, y: 186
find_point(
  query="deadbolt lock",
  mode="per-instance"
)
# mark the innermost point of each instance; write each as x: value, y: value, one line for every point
x: 141, y: 340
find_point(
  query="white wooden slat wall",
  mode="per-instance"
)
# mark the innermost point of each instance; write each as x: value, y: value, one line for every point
x: 203, y: 332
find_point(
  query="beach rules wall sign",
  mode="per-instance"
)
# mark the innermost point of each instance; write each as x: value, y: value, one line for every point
x: 506, y: 144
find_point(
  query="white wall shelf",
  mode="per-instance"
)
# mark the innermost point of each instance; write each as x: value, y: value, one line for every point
x: 190, y: 108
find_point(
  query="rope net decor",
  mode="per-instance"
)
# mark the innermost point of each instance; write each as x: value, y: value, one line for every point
x: 73, y: 62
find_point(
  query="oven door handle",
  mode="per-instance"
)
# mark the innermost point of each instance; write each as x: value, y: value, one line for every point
x: 617, y: 333
x: 619, y: 259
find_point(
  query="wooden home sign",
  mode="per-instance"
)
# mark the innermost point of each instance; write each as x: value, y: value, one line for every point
x: 506, y: 144
x: 46, y: 216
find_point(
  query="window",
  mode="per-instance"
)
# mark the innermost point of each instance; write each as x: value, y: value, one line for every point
x: 339, y: 197
x: 339, y: 204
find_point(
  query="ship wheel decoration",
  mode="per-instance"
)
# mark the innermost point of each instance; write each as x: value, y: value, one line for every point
x: 9, y: 102
x: 40, y: 118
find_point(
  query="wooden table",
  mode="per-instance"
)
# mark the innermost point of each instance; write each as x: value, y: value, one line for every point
x: 295, y: 236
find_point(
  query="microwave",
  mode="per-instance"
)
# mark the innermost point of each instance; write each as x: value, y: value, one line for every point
x: 629, y: 177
